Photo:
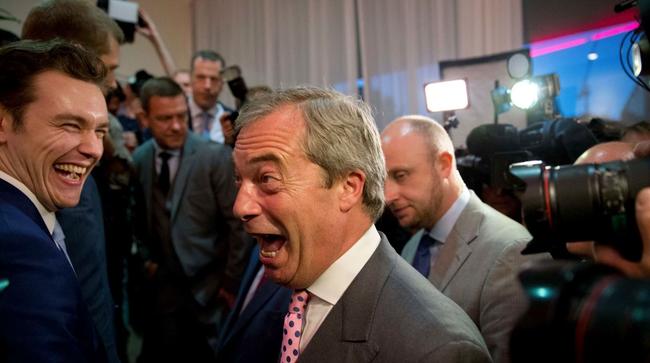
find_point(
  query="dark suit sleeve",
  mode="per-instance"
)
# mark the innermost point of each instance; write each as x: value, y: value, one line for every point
x: 83, y: 226
x: 239, y: 243
x: 43, y: 316
x: 458, y: 351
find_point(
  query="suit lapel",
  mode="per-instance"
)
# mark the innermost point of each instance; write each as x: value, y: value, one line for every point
x: 259, y: 300
x: 345, y: 333
x: 457, y: 248
x: 184, y: 171
x: 15, y: 197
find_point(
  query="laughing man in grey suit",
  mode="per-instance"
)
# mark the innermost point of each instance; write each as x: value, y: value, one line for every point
x: 198, y: 249
x: 474, y: 252
x: 310, y: 174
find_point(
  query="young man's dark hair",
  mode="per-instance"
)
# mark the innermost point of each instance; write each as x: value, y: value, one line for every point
x: 22, y: 61
x: 161, y: 87
x: 78, y: 21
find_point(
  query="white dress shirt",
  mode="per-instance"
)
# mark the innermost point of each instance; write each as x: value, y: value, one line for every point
x: 215, y: 133
x: 440, y: 232
x: 326, y: 291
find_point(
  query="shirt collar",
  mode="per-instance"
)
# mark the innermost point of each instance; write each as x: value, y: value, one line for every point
x: 48, y: 217
x: 332, y: 283
x: 159, y: 149
x: 196, y: 111
x: 441, y: 230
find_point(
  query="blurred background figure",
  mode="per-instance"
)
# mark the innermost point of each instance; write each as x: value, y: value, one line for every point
x: 636, y: 133
x: 207, y: 83
x: 182, y: 77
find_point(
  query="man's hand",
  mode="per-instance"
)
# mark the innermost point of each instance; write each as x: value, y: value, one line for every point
x: 228, y: 129
x: 149, y: 31
x: 227, y: 297
x: 150, y: 269
x: 609, y: 256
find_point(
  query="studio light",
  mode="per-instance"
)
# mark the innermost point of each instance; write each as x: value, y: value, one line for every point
x: 527, y: 93
x: 446, y: 95
x: 524, y: 94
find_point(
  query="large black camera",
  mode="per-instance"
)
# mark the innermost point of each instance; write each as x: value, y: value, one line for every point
x: 582, y: 313
x: 591, y: 202
x: 493, y: 147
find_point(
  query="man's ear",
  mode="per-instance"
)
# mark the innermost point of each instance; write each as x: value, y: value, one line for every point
x: 144, y: 119
x: 351, y: 190
x: 445, y: 164
x: 6, y: 124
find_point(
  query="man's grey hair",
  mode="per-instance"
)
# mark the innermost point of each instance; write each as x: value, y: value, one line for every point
x: 341, y: 136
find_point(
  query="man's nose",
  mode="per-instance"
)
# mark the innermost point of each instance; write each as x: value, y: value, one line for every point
x: 91, y: 144
x: 390, y: 191
x: 246, y: 207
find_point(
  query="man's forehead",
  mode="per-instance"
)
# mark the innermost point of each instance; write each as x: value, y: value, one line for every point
x: 202, y: 64
x: 157, y: 102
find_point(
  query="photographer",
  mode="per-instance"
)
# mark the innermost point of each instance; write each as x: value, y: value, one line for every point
x: 609, y: 256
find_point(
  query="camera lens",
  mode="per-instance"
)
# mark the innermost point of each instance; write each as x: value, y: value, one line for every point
x: 591, y: 202
x: 582, y: 312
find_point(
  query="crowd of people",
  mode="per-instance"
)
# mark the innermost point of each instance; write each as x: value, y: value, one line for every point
x: 145, y: 208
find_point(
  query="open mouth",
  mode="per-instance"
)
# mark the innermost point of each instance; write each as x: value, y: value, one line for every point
x: 70, y: 171
x: 270, y: 244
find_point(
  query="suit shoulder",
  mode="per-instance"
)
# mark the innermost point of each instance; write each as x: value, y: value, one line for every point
x: 141, y: 150
x: 497, y: 224
x: 436, y: 319
x: 215, y: 151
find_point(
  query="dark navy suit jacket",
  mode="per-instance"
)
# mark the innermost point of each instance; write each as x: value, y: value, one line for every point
x: 255, y: 334
x: 83, y: 227
x: 42, y: 315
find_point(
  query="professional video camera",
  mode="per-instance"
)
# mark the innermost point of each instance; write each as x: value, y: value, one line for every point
x: 585, y: 312
x: 493, y: 147
x: 125, y: 14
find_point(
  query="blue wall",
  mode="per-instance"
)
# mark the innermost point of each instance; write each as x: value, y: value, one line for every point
x: 597, y: 88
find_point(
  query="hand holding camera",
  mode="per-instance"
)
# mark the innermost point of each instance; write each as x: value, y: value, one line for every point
x: 608, y: 255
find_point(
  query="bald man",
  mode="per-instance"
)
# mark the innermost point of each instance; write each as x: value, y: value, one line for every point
x: 468, y: 250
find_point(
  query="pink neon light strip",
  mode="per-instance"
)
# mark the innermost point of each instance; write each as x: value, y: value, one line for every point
x: 537, y: 51
x: 623, y: 28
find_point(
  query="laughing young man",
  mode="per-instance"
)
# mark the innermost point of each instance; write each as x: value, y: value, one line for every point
x: 52, y: 120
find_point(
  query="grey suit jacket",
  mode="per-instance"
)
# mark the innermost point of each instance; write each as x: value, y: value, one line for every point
x: 208, y: 239
x: 390, y: 313
x: 477, y: 268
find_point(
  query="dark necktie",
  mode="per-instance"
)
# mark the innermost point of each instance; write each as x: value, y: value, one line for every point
x: 163, y: 177
x: 422, y: 260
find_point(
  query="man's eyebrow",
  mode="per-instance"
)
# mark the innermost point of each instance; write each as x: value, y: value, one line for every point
x: 70, y: 116
x: 79, y: 119
x: 265, y: 157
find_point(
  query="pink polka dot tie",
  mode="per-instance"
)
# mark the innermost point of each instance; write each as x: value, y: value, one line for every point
x: 293, y: 324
